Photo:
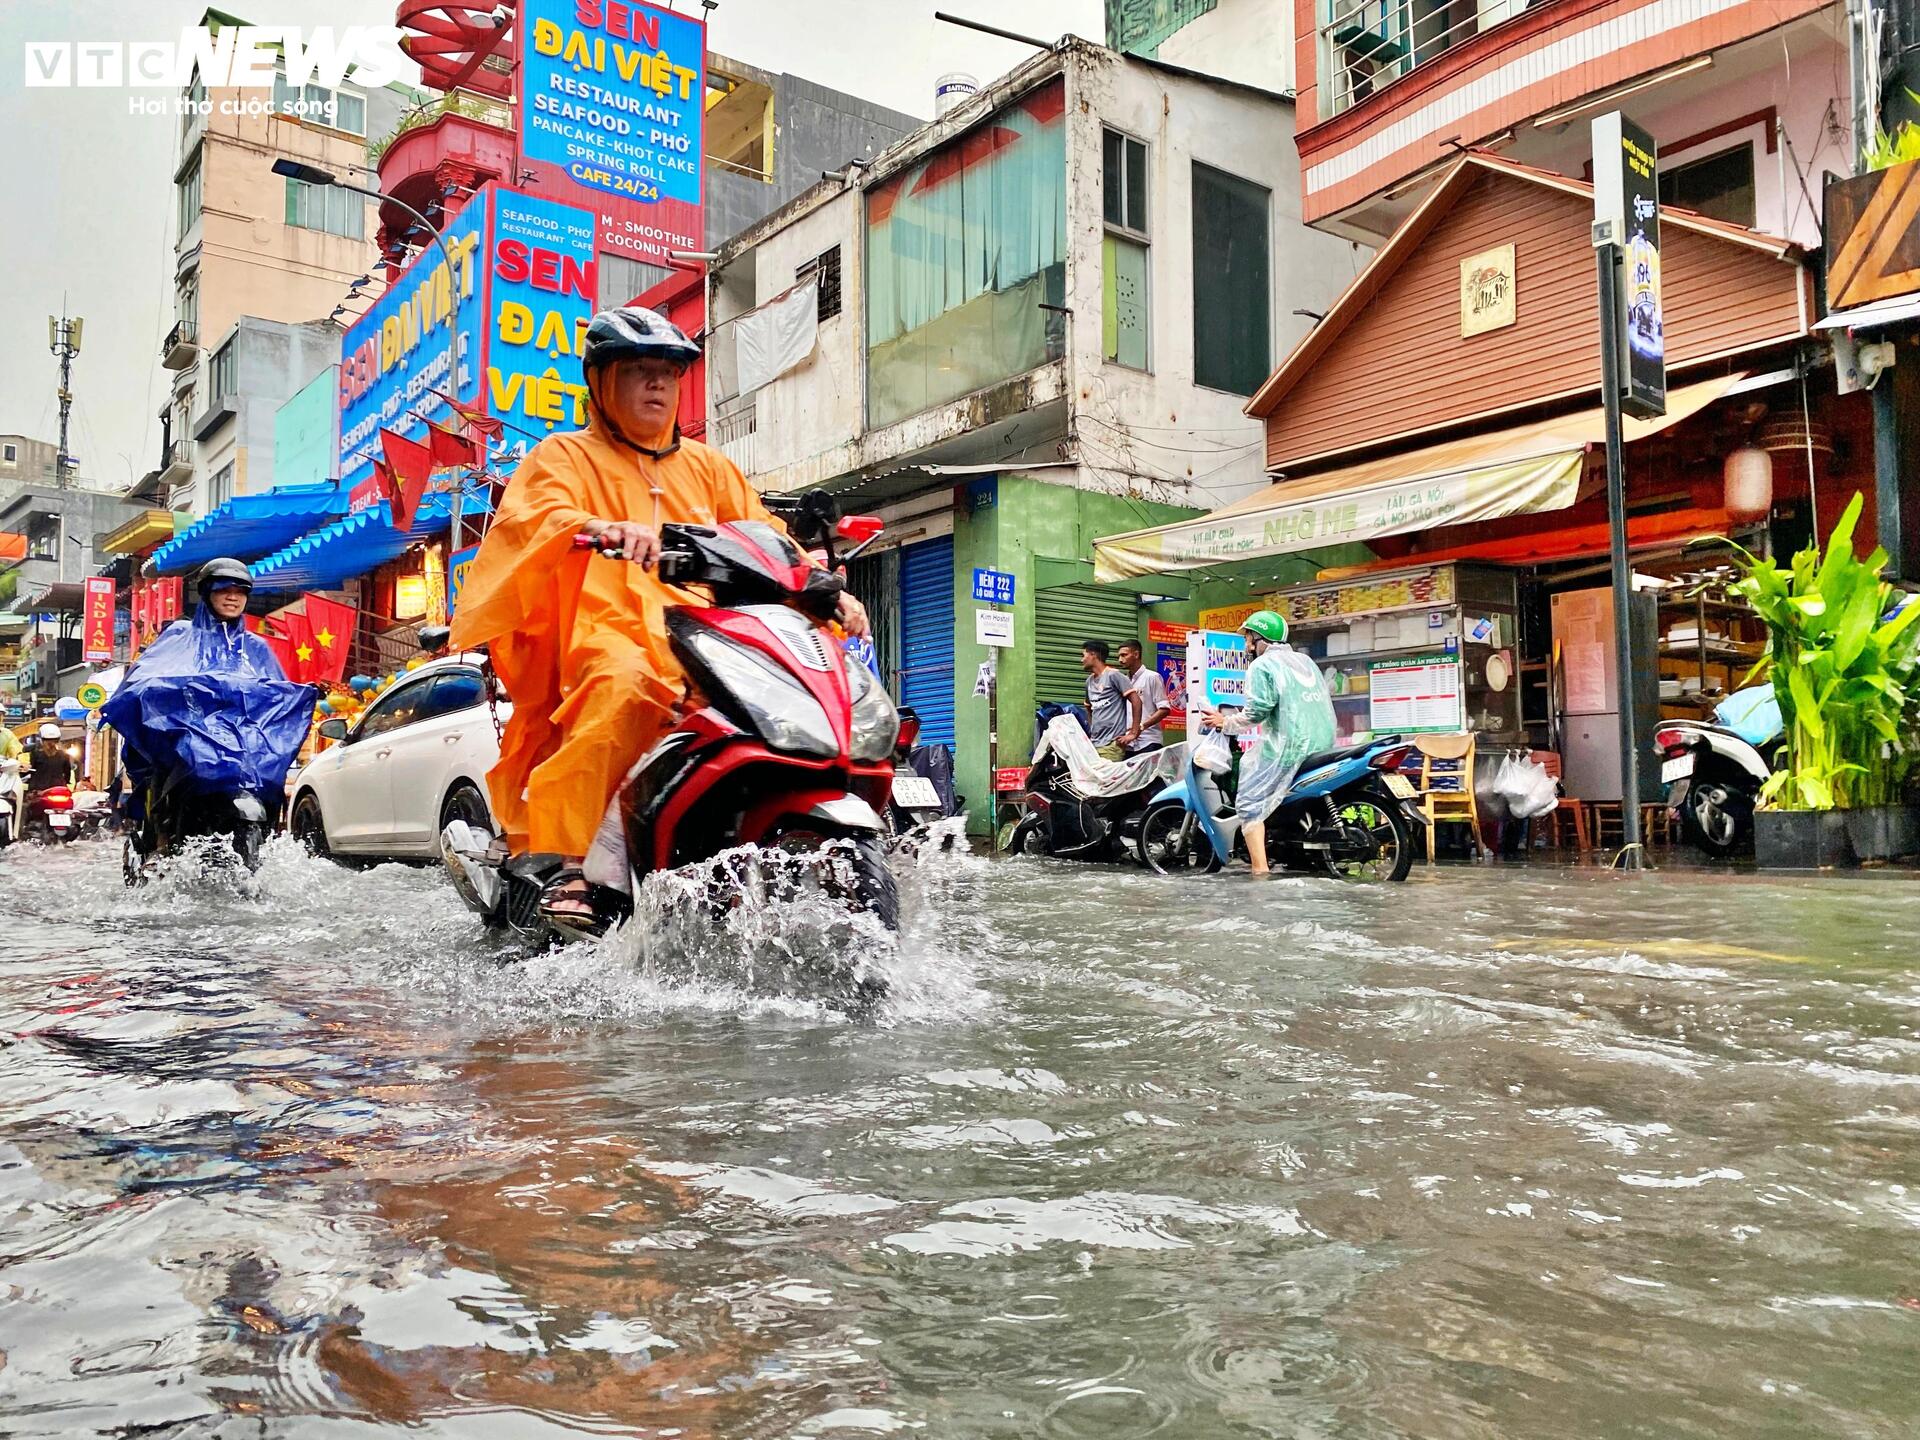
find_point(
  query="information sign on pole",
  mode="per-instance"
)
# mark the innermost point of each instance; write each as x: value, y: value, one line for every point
x: 993, y: 586
x: 1626, y: 206
x: 993, y: 627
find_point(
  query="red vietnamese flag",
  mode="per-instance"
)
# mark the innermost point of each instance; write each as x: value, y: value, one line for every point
x: 281, y: 647
x: 412, y: 466
x: 331, y: 624
x: 478, y: 420
x: 449, y: 449
x: 301, y: 653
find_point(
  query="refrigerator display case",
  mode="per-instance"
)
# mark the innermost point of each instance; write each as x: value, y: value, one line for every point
x: 1589, y: 694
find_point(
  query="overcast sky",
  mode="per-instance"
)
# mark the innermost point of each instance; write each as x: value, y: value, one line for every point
x: 86, y: 189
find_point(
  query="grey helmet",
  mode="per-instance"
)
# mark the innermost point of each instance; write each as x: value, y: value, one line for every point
x: 222, y: 572
x: 632, y: 332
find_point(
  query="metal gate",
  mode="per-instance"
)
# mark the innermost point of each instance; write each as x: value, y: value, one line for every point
x: 1065, y: 617
x: 925, y: 675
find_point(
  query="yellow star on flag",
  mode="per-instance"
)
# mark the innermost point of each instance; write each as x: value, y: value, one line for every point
x: 325, y: 637
x: 305, y: 652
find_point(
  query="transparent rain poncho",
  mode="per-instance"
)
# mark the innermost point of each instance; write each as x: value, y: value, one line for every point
x: 1288, y: 702
x: 1097, y: 778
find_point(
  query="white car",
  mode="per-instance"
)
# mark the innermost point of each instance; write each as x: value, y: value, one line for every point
x: 416, y: 759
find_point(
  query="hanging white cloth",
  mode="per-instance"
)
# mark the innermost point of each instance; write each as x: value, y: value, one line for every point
x: 779, y: 335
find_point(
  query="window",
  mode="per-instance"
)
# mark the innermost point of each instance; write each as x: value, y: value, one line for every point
x: 196, y: 98
x: 11, y: 453
x: 1124, y: 288
x: 323, y: 207
x: 43, y: 537
x: 402, y: 707
x: 1720, y: 186
x: 222, y: 374
x: 966, y: 261
x: 318, y: 105
x: 1232, y: 302
x: 220, y: 488
x: 826, y: 268
x: 187, y: 191
x: 453, y: 691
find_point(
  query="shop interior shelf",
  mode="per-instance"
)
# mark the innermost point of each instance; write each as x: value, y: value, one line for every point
x: 1435, y: 647
x: 1716, y: 649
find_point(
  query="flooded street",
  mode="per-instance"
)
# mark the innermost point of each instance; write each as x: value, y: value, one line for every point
x: 1491, y: 1154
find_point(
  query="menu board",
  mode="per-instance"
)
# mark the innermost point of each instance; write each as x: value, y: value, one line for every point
x: 1410, y: 696
x: 1363, y: 597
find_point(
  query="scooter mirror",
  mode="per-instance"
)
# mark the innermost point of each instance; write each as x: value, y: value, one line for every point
x: 859, y: 529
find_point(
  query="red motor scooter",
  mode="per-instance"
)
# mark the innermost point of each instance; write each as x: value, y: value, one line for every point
x: 48, y: 817
x: 785, y: 745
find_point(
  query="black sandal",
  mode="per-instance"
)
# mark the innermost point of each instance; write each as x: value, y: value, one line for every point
x: 567, y: 889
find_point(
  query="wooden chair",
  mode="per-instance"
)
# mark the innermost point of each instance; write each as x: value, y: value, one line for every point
x: 1446, y: 787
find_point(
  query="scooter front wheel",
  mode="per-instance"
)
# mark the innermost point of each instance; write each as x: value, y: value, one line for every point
x: 1171, y: 842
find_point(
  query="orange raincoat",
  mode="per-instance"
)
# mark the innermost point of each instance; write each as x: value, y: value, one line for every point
x: 579, y: 641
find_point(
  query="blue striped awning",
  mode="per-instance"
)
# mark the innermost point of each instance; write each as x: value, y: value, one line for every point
x: 249, y: 526
x: 351, y: 546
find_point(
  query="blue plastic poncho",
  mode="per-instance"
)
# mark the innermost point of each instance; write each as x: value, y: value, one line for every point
x: 1287, y: 699
x: 208, y: 700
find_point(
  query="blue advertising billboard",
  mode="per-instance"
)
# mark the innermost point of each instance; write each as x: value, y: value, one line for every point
x: 541, y: 285
x: 421, y: 337
x: 611, y: 115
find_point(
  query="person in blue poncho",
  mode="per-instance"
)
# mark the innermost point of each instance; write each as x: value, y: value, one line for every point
x: 211, y: 725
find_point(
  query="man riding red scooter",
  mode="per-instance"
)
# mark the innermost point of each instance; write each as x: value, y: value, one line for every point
x: 48, y: 814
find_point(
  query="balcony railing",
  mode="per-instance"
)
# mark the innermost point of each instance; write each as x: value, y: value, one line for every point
x: 1366, y: 45
x: 176, y: 469
x: 181, y: 347
x: 733, y: 435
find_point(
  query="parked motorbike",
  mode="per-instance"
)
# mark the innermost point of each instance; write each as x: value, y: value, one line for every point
x: 48, y: 816
x: 1349, y: 814
x: 177, y: 813
x: 12, y: 791
x: 1062, y: 820
x: 914, y: 801
x: 1714, y: 769
x: 792, y: 750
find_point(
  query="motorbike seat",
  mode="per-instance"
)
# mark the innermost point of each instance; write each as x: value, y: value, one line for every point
x: 1333, y: 757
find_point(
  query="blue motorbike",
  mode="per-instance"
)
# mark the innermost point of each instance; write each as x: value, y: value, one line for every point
x: 1349, y: 814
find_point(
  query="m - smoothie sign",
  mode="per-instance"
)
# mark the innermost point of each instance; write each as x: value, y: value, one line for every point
x: 611, y: 116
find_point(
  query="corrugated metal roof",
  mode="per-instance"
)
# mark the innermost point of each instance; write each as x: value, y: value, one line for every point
x: 351, y: 546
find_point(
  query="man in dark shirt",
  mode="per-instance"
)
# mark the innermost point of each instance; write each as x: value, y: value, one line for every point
x: 51, y: 764
x: 1112, y: 709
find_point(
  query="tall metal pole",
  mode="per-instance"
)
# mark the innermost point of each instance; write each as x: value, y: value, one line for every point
x: 1612, y: 384
x: 63, y: 336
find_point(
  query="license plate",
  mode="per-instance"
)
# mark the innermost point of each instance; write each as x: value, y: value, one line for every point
x: 1400, y: 787
x: 915, y: 792
x: 1677, y: 768
x: 59, y: 822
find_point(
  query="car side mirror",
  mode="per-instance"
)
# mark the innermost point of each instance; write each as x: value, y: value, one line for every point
x: 335, y: 729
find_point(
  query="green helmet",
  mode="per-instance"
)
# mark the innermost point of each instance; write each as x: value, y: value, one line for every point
x: 1268, y: 626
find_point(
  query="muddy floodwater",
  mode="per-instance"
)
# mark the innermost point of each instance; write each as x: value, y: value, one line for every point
x: 1502, y: 1152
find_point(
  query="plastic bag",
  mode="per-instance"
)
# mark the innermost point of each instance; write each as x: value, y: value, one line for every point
x: 1489, y: 789
x: 208, y: 701
x: 1529, y: 789
x: 1212, y: 753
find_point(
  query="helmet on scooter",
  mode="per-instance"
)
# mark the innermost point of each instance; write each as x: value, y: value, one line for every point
x: 1268, y: 626
x: 223, y: 574
x: 49, y: 731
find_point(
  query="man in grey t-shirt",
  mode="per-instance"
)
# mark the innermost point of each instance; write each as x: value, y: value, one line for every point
x: 1151, y: 691
x: 1112, y: 709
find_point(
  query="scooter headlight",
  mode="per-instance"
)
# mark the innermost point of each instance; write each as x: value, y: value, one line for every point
x: 780, y: 708
x: 876, y: 723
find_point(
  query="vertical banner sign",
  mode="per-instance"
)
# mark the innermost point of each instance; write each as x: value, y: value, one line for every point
x: 1216, y: 670
x: 612, y: 111
x: 458, y: 564
x: 1169, y: 641
x: 97, y: 621
x: 541, y: 292
x: 420, y: 340
x: 1626, y: 194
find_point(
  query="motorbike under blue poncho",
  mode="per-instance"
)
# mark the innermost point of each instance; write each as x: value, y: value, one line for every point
x: 207, y: 699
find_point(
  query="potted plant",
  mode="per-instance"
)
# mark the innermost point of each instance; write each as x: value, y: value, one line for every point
x: 1845, y: 667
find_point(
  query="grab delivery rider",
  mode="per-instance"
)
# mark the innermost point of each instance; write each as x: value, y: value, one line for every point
x: 581, y: 645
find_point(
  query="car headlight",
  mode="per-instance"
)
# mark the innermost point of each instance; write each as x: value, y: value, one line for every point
x: 876, y: 724
x: 781, y: 710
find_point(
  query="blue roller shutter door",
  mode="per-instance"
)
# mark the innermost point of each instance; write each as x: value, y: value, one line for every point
x: 926, y: 636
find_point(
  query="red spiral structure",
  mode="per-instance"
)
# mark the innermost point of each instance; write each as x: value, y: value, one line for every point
x: 450, y: 40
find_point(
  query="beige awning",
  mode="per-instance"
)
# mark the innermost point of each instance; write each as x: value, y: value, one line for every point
x: 1525, y: 470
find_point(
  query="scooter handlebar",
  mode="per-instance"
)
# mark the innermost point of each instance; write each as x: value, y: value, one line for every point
x: 673, y: 565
